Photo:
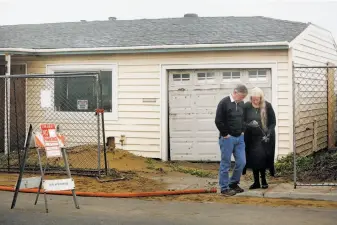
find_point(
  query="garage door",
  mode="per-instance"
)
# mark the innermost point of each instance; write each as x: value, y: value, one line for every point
x: 193, y: 98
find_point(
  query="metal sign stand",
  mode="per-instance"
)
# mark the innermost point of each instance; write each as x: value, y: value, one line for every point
x: 48, y: 185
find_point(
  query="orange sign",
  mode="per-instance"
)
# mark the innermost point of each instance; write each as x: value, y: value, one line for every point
x: 50, y: 140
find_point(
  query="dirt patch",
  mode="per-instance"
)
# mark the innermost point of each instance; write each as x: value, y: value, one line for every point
x: 129, y: 172
x: 90, y: 184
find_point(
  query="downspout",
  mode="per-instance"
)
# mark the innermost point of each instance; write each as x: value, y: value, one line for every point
x: 7, y: 103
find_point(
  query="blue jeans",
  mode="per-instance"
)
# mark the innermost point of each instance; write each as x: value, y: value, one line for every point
x: 229, y: 146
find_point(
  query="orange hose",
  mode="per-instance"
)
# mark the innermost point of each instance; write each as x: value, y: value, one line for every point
x: 114, y: 195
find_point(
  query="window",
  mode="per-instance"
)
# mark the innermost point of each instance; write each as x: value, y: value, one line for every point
x: 257, y: 75
x: 181, y: 77
x: 206, y: 76
x: 79, y: 94
x: 230, y: 76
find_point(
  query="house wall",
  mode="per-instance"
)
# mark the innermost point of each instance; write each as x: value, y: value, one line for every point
x: 314, y: 47
x: 139, y: 78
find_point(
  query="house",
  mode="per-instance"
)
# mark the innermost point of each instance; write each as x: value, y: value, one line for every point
x: 165, y: 77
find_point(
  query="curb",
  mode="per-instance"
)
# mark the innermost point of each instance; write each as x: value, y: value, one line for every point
x: 114, y: 195
x: 292, y: 195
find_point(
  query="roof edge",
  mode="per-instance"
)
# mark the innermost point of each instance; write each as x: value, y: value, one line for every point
x: 148, y: 49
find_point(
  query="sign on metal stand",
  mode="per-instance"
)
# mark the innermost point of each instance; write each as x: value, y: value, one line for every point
x: 53, y: 144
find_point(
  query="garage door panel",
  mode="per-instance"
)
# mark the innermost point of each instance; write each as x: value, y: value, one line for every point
x: 182, y: 113
x: 192, y: 110
x: 206, y: 135
x: 206, y: 148
x: 180, y: 100
x: 205, y: 113
x: 206, y: 125
x: 205, y: 100
x: 180, y: 124
x: 178, y: 148
x: 181, y: 135
x: 192, y: 158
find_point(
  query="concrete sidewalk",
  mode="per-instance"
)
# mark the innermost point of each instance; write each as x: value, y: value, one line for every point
x: 287, y: 191
x: 275, y: 190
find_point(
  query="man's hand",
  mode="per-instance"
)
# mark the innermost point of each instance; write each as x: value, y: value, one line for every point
x: 242, y: 133
x: 227, y: 136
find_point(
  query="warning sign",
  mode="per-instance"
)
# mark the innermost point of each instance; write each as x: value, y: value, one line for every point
x: 82, y: 104
x: 51, y: 141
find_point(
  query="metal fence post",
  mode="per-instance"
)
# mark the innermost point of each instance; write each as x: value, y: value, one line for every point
x: 98, y: 126
x: 103, y: 128
x: 294, y: 124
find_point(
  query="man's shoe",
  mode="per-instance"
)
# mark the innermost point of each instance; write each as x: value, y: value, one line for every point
x: 228, y: 192
x: 236, y: 188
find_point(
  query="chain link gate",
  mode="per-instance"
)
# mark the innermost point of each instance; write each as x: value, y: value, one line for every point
x: 70, y: 101
x: 314, y: 125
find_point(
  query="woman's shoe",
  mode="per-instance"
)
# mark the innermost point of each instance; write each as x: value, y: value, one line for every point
x: 264, y: 186
x: 264, y: 183
x: 255, y: 186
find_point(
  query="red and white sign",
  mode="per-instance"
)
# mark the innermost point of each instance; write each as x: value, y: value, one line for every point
x: 51, y: 140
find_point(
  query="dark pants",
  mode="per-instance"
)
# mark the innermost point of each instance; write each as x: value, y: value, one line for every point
x: 261, y: 172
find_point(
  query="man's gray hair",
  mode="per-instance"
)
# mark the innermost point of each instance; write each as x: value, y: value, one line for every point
x: 241, y: 88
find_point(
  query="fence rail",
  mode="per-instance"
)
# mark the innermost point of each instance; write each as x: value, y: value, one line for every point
x: 68, y: 100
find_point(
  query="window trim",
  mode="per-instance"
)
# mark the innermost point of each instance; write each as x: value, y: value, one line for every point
x: 267, y: 76
x: 52, y: 68
x: 206, y: 79
x: 181, y: 79
x: 231, y: 80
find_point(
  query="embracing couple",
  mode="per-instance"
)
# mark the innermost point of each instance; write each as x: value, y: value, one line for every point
x: 247, y: 130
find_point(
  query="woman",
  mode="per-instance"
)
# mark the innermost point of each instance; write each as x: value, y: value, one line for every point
x: 260, y: 124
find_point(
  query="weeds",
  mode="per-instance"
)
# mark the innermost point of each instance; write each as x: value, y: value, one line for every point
x: 192, y: 171
x: 320, y: 166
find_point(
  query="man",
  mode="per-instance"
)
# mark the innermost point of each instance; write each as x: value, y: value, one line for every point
x: 229, y: 121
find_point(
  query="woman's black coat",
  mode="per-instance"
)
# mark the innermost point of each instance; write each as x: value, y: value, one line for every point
x: 271, y: 123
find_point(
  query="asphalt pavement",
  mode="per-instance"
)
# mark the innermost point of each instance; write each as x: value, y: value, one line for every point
x: 141, y: 212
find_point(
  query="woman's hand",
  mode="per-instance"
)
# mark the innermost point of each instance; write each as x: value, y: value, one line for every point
x: 253, y: 123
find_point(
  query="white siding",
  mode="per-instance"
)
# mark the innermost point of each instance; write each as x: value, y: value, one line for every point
x: 139, y: 80
x: 314, y: 47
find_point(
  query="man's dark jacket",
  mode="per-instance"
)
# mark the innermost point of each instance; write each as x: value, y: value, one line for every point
x: 229, y: 118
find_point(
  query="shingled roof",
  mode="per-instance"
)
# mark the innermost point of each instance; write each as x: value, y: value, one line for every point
x: 149, y: 32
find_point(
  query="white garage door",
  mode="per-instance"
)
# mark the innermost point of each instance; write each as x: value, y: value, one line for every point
x: 193, y: 98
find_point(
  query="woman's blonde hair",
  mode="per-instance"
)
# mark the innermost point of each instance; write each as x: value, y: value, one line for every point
x: 257, y: 92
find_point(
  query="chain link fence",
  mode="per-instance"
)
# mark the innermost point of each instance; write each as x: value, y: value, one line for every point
x: 68, y: 100
x: 314, y: 100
